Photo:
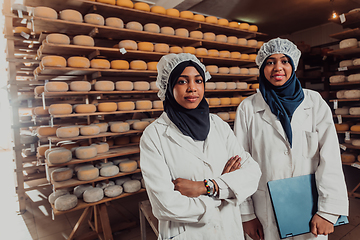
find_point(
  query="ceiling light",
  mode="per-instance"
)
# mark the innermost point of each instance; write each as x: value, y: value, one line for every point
x: 334, y: 14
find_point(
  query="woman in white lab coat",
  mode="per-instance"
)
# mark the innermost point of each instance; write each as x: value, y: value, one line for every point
x: 195, y: 172
x: 290, y: 132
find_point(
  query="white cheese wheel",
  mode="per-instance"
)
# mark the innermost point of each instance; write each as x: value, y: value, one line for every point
x: 244, y: 71
x: 107, y: 107
x: 124, y: 86
x: 120, y: 127
x: 152, y: 27
x: 224, y: 54
x: 352, y: 94
x: 337, y: 78
x: 182, y: 32
x: 58, y: 193
x: 253, y: 28
x: 133, y: 25
x: 93, y: 195
x: 89, y: 130
x: 140, y: 125
x: 196, y: 34
x: 167, y: 30
x: 235, y: 100
x: 67, y: 132
x: 224, y: 115
x: 354, y: 111
x: 161, y: 47
x: 210, y: 86
x: 152, y: 66
x: 172, y: 12
x: 119, y: 64
x: 132, y: 186
x: 214, y: 101
x: 241, y: 85
x: 232, y: 39
x: 342, y: 111
x: 252, y: 43
x: 353, y: 77
x: 125, y: 3
x: 220, y: 85
x: 138, y: 64
x: 45, y: 12
x: 201, y: 52
x: 340, y: 94
x: 253, y: 71
x: 59, y: 156
x: 60, y: 109
x: 234, y: 70
x: 101, y: 147
x: 62, y: 174
x: 143, y: 105
x: 58, y: 38
x: 145, y: 46
x: 99, y: 166
x: 80, y: 189
x: 126, y: 106
x: 213, y: 53
x: 211, y: 19
x: 121, y: 180
x: 209, y: 36
x: 104, y: 86
x: 80, y: 86
x: 186, y: 15
x: 153, y: 85
x: 347, y: 158
x: 128, y: 166
x: 114, y: 22
x: 223, y: 22
x: 83, y: 40
x: 53, y: 61
x: 212, y: 68
x: 350, y: 42
x: 225, y: 101
x: 142, y: 6
x: 100, y: 63
x: 66, y: 202
x: 356, y: 142
x: 221, y: 38
x: 190, y: 50
x: 141, y: 86
x: 158, y: 9
x: 85, y: 152
x: 231, y: 85
x: 109, y: 171
x: 158, y: 104
x: 103, y: 126
x: 56, y: 87
x: 356, y: 62
x: 78, y: 62
x: 244, y: 26
x: 113, y: 191
x: 95, y: 19
x: 71, y: 15
x: 346, y: 63
x: 224, y: 70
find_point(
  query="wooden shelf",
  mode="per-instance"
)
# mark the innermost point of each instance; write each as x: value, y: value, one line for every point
x: 351, y: 132
x: 107, y: 134
x: 352, y: 20
x: 345, y: 83
x: 351, y: 33
x: 345, y: 51
x: 346, y: 100
x: 348, y: 116
x: 350, y: 68
x: 350, y: 146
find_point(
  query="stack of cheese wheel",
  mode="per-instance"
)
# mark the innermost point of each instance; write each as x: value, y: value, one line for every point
x: 214, y: 101
x: 158, y: 9
x: 253, y: 28
x: 161, y: 47
x: 61, y: 174
x: 224, y: 115
x: 60, y: 109
x: 67, y: 132
x: 244, y: 26
x: 126, y: 106
x: 353, y: 77
x: 103, y: 126
x: 172, y: 12
x: 354, y: 111
x: 182, y: 32
x: 145, y: 46
x: 342, y: 111
x: 143, y: 105
x: 59, y: 156
x: 346, y: 63
x: 141, y: 85
x: 356, y: 62
x: 140, y: 125
x: 167, y: 30
x: 209, y: 36
x: 85, y: 152
x: 101, y: 147
x: 124, y: 86
x: 348, y: 158
x: 152, y: 66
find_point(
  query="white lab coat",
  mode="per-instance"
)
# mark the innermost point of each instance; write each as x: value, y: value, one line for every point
x: 315, y: 149
x: 167, y: 154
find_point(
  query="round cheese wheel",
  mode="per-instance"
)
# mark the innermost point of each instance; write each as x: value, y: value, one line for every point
x: 56, y: 87
x: 260, y: 43
x: 224, y: 70
x: 89, y: 130
x: 153, y: 86
x: 354, y: 111
x: 224, y: 115
x: 39, y: 90
x: 133, y: 25
x: 172, y: 12
x: 80, y: 189
x: 214, y: 101
x: 196, y: 34
x: 212, y: 68
x: 353, y: 77
x: 71, y: 15
x: 152, y: 27
x: 41, y: 149
x: 67, y: 132
x: 59, y: 156
x: 55, y: 195
x: 213, y: 53
x: 236, y: 55
x: 244, y: 26
x: 232, y: 115
x: 232, y: 39
x: 85, y: 152
x: 114, y: 22
x: 350, y: 42
x: 190, y: 50
x: 244, y: 71
x: 235, y: 100
x: 234, y: 24
x: 128, y: 166
x: 44, y: 131
x: 209, y: 36
x: 122, y: 140
x: 252, y: 57
x: 253, y: 28
x: 100, y: 63
x: 244, y: 56
x: 143, y: 105
x: 93, y: 195
x: 342, y: 127
x: 119, y: 64
x: 346, y: 63
x: 113, y: 191
x: 221, y: 38
x: 124, y: 86
x: 342, y: 111
x: 103, y: 126
x: 78, y: 62
x: 152, y: 66
x: 101, y: 147
x: 60, y: 109
x: 53, y: 61
x: 210, y: 85
x: 45, y: 12
x: 58, y: 38
x: 142, y: 6
x: 356, y: 62
x: 337, y: 78
x: 104, y: 86
x: 40, y: 111
x: 253, y: 71
x: 340, y: 94
x: 65, y: 202
x: 252, y: 43
x: 211, y: 19
x: 161, y: 47
x: 241, y: 85
x: 145, y: 46
x: 186, y: 15
x: 126, y: 106
x: 80, y: 86
x: 201, y: 52
x: 182, y: 32
x: 167, y: 30
x: 138, y: 64
x: 62, y: 174
x: 51, y: 150
x: 107, y: 107
x: 254, y: 86
x: 224, y: 54
x: 141, y: 86
x: 355, y: 128
x: 158, y: 9
x: 83, y: 40
x: 223, y: 22
x: 175, y: 49
x: 220, y: 85
x: 125, y: 3
x: 347, y: 158
x: 352, y: 94
x: 199, y: 17
x: 140, y: 125
x: 112, y: 2
x: 231, y: 85
x: 157, y: 104
x: 95, y: 19
x: 356, y: 142
x: 225, y: 101
x: 119, y: 127
x: 234, y: 70
x: 242, y: 41
x: 85, y: 108
x: 132, y: 186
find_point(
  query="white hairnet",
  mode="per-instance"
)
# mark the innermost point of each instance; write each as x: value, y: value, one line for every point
x: 167, y: 64
x: 278, y: 45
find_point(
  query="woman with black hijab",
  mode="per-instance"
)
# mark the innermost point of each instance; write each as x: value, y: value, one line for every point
x: 195, y: 172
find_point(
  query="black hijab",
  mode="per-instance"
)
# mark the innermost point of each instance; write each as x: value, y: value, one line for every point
x: 194, y: 123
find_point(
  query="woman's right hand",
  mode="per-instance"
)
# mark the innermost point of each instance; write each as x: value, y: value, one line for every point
x: 254, y: 229
x: 232, y: 164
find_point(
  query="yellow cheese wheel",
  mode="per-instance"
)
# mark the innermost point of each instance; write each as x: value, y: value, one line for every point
x: 152, y: 66
x: 104, y: 86
x: 225, y: 101
x: 40, y: 111
x: 85, y: 152
x: 232, y: 39
x: 232, y: 115
x: 125, y: 3
x: 221, y: 38
x: 87, y: 173
x: 175, y: 49
x: 60, y: 109
x: 112, y: 2
x: 114, y: 22
x: 235, y: 55
x: 95, y: 19
x: 126, y: 106
x: 199, y: 17
x: 173, y: 12
x: 142, y: 6
x: 103, y: 126
x: 128, y: 166
x: 209, y: 36
x: 153, y: 86
x: 191, y: 50
x: 244, y: 26
x: 342, y: 127
x: 67, y: 132
x: 85, y: 108
x: 211, y: 19
x: 201, y: 52
x: 260, y: 43
x: 253, y: 28
x: 78, y: 62
x: 80, y: 86
x: 158, y: 104
x: 214, y: 101
x: 220, y: 85
x: 254, y: 86
x: 145, y: 46
x: 196, y: 34
x: 223, y: 22
x: 244, y: 56
x: 101, y: 147
x: 45, y: 131
x: 152, y: 27
x: 224, y: 54
x: 234, y: 70
x: 186, y: 15
x: 119, y: 64
x: 39, y: 90
x: 355, y: 128
x: 158, y: 9
x: 212, y: 68
x: 83, y: 40
x: 119, y: 127
x: 241, y: 85
x: 252, y: 43
x: 107, y: 107
x: 89, y: 130
x: 167, y: 30
x: 235, y: 100
x: 347, y: 158
x: 138, y: 65
x: 45, y: 12
x: 140, y: 125
x: 210, y: 86
x: 161, y: 47
x: 61, y: 174
x: 56, y: 87
x: 224, y: 116
x: 124, y: 86
x: 53, y: 61
x: 71, y: 15
x: 100, y: 63
x: 59, y: 156
x: 242, y: 41
x: 122, y: 140
x: 182, y: 32
x: 213, y: 53
x: 42, y: 149
x: 141, y: 86
x: 244, y: 71
x: 143, y: 105
x: 253, y: 71
x: 234, y: 24
x: 58, y: 38
x: 133, y: 25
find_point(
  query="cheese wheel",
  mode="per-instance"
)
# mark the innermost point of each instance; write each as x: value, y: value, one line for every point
x: 41, y: 149
x: 140, y: 125
x: 232, y: 115
x: 61, y: 174
x: 95, y: 19
x: 224, y: 116
x: 213, y: 53
x: 234, y: 70
x: 190, y: 50
x: 85, y: 108
x: 145, y: 46
x: 99, y: 166
x: 89, y: 130
x: 158, y: 9
x: 209, y: 36
x: 55, y: 195
x: 124, y: 86
x: 83, y: 40
x: 356, y: 142
x: 252, y: 43
x: 152, y: 27
x: 65, y: 202
x: 51, y: 150
x: 142, y: 6
x: 201, y: 52
x: 78, y: 62
x: 254, y: 86
x: 356, y: 62
x: 353, y: 77
x: 167, y: 30
x: 104, y: 86
x: 153, y: 86
x: 352, y: 94
x: 342, y: 111
x: 212, y: 68
x: 128, y: 166
x: 214, y: 101
x: 342, y: 127
x: 350, y: 42
x: 39, y: 90
x: 182, y: 32
x: 126, y: 106
x: 242, y: 41
x: 114, y: 22
x: 244, y: 56
x: 157, y: 104
x: 244, y: 71
x: 45, y: 12
x: 119, y: 127
x: 138, y: 65
x: 346, y: 63
x: 68, y: 145
x: 224, y: 54
x: 125, y: 3
x: 253, y: 71
x: 337, y: 78
x: 121, y: 180
x: 196, y: 34
x: 152, y: 66
x: 100, y: 63
x: 221, y: 38
x: 236, y: 55
x: 103, y: 126
x: 232, y: 39
x: 143, y: 105
x: 235, y: 101
x: 56, y: 87
x: 211, y: 19
x: 58, y: 38
x: 80, y: 86
x: 224, y: 70
x: 60, y: 109
x: 53, y: 61
x: 93, y: 195
x: 113, y: 191
x: 231, y: 85
x: 133, y: 25
x: 67, y: 132
x: 80, y: 189
x: 223, y: 22
x: 122, y: 140
x: 175, y: 49
x: 85, y: 152
x: 141, y: 86
x: 210, y: 85
x: 234, y: 24
x: 354, y: 111
x: 186, y: 15
x: 101, y: 147
x: 59, y: 156
x: 253, y: 28
x: 252, y: 57
x: 347, y: 158
x: 199, y: 17
x: 172, y: 12
x: 135, y: 139
x: 225, y: 101
x: 107, y: 107
x: 355, y: 128
x: 71, y: 15
x: 132, y: 186
x: 244, y: 26
x: 44, y: 131
x: 119, y: 64
x: 112, y: 2
x: 161, y: 47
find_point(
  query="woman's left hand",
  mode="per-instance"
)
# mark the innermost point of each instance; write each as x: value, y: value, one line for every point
x: 320, y: 226
x: 189, y: 188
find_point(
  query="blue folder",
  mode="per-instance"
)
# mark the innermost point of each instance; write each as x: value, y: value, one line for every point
x: 294, y: 201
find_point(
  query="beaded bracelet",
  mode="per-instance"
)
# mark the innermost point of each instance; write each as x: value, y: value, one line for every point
x: 207, y: 187
x: 215, y: 192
